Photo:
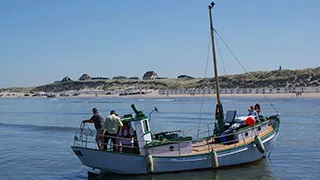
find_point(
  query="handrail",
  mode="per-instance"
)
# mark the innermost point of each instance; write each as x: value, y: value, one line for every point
x: 209, y: 140
x: 246, y: 129
x: 204, y: 132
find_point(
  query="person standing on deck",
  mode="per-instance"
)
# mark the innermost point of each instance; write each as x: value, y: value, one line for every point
x: 98, y: 121
x: 112, y: 125
x: 127, y: 138
x: 257, y: 108
x: 253, y: 112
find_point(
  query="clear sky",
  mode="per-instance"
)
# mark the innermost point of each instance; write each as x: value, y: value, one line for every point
x: 43, y: 41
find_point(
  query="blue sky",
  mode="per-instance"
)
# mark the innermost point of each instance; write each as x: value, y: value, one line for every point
x: 43, y: 41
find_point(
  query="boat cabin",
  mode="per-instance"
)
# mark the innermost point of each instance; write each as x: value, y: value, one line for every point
x: 162, y: 144
x: 140, y: 124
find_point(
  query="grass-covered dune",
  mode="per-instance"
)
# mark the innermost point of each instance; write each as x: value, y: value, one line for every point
x: 270, y: 79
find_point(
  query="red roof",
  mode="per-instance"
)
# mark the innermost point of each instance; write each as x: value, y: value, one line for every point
x: 149, y: 74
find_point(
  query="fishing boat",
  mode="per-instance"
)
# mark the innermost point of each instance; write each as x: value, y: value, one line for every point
x: 232, y: 140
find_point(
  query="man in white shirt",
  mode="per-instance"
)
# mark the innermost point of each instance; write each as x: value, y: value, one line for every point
x: 111, y: 125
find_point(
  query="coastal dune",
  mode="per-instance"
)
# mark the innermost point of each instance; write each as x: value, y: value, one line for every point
x: 277, y: 83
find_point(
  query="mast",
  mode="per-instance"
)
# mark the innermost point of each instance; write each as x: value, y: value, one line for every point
x: 219, y: 108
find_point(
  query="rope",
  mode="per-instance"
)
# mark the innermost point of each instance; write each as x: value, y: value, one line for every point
x: 269, y: 160
x: 270, y: 151
x: 85, y: 124
x: 243, y: 67
x: 205, y: 75
x: 225, y: 72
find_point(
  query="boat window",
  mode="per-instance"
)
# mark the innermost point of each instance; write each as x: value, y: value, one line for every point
x: 145, y: 126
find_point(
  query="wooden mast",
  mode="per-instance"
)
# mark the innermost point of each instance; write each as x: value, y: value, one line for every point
x: 219, y: 109
x: 214, y: 55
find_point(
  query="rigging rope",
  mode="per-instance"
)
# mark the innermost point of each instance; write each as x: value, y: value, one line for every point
x: 205, y: 75
x: 243, y: 67
x: 225, y: 72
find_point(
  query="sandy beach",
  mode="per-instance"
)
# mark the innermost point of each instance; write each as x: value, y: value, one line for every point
x: 278, y: 95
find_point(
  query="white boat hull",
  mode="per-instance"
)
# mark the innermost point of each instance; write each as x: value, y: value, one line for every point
x: 122, y: 163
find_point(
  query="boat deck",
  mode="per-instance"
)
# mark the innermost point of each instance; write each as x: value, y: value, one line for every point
x: 206, y: 146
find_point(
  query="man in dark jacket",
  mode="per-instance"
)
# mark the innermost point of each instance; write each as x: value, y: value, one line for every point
x: 98, y: 121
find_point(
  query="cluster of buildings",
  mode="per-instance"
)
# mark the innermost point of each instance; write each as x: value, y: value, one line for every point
x: 149, y: 75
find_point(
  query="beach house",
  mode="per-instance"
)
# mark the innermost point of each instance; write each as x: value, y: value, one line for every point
x: 66, y: 79
x: 84, y: 77
x: 149, y: 75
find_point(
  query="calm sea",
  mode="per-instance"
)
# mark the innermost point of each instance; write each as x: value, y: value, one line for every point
x: 36, y: 135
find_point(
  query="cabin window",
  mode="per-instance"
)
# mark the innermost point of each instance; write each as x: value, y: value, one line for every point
x: 145, y: 126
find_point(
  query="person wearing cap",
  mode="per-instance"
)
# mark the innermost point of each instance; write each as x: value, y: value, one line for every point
x: 112, y: 123
x: 98, y: 121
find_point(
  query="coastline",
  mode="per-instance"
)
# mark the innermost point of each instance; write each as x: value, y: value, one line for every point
x: 155, y: 94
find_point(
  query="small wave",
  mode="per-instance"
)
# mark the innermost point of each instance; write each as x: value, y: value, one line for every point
x: 228, y: 101
x: 183, y: 119
x: 44, y: 113
x: 104, y: 102
x: 189, y: 114
x: 41, y: 128
x: 164, y: 100
x: 81, y: 101
x: 196, y: 99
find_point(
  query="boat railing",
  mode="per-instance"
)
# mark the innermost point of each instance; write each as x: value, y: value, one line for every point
x: 89, y: 142
x: 82, y: 139
x: 208, y: 142
x: 208, y: 129
x: 240, y: 136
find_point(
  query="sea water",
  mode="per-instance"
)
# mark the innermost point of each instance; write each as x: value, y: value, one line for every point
x: 36, y: 135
